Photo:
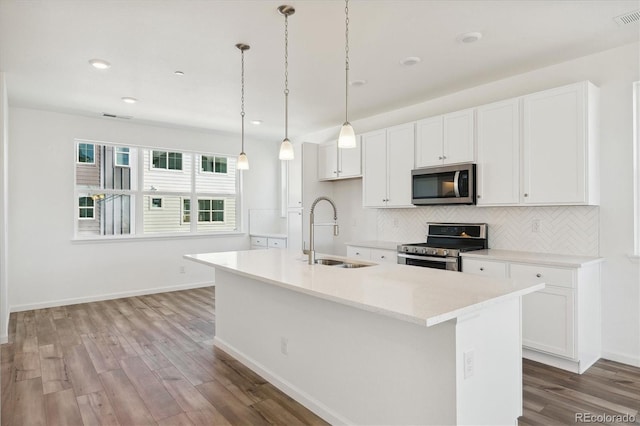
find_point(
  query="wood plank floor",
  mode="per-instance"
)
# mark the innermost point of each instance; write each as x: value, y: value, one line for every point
x: 145, y: 360
x: 150, y: 360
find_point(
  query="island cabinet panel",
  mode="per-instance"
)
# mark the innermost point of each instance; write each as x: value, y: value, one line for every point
x: 352, y: 366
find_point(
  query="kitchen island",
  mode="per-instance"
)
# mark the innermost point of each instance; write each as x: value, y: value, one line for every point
x: 381, y: 344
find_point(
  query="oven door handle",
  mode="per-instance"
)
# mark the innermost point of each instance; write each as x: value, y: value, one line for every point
x: 456, y: 184
x: 433, y: 259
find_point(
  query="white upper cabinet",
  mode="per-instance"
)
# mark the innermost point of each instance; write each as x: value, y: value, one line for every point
x: 445, y: 139
x: 560, y: 146
x: 388, y: 158
x: 339, y: 163
x: 498, y: 144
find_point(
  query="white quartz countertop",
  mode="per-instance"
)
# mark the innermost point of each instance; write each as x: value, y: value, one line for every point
x: 561, y: 260
x: 422, y: 296
x: 384, y: 245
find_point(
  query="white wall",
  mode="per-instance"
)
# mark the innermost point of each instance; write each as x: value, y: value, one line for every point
x: 613, y: 71
x: 4, y: 163
x: 48, y: 268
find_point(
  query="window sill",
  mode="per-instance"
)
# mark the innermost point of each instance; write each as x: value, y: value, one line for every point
x: 131, y: 238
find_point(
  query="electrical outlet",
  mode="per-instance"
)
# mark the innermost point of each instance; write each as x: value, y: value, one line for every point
x: 183, y: 269
x: 469, y: 363
x: 284, y: 346
x: 535, y: 226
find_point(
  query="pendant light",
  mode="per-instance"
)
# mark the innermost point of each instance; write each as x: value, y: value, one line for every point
x: 243, y: 161
x: 347, y: 138
x: 286, y: 149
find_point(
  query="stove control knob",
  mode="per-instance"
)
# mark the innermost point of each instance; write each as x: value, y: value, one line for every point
x: 432, y: 251
x: 423, y: 250
x: 405, y: 249
x: 414, y: 249
x: 445, y: 252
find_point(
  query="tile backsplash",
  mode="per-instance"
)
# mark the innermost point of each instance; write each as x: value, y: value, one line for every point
x: 563, y: 230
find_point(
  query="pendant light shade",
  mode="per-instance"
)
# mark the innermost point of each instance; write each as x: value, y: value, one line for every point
x: 286, y: 149
x: 243, y: 161
x: 347, y: 138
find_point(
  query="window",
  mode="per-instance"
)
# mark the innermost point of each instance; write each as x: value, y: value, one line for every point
x: 86, y: 153
x: 131, y: 193
x: 167, y: 160
x: 210, y: 210
x: 122, y: 156
x: 86, y: 208
x: 213, y: 164
x: 186, y: 210
x: 156, y: 203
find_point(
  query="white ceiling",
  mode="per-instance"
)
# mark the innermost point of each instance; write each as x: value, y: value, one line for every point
x: 45, y: 46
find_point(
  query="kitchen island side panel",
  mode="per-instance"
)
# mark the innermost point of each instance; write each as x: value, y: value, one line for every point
x: 345, y: 364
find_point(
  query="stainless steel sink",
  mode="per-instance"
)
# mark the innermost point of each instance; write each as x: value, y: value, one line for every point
x: 339, y: 263
x: 352, y: 265
x: 329, y: 262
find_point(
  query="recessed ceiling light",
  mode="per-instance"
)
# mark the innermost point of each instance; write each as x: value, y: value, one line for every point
x: 100, y: 64
x: 180, y: 73
x: 129, y: 100
x: 357, y: 83
x: 256, y: 122
x: 469, y: 37
x: 410, y: 61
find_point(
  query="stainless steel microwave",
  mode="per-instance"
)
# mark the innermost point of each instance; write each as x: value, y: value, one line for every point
x: 455, y: 184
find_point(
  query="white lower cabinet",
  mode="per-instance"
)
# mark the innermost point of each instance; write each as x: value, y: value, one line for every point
x: 373, y: 254
x: 268, y: 242
x: 560, y: 323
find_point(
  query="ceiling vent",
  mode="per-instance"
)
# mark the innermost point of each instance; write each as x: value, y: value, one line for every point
x: 122, y: 117
x: 628, y: 18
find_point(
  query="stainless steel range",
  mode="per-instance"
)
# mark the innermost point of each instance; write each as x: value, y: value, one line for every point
x: 445, y: 242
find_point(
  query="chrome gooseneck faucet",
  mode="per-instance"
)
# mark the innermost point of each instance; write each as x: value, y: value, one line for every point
x: 311, y: 252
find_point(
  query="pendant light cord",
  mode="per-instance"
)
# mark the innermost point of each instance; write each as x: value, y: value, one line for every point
x: 346, y: 63
x: 242, y: 99
x: 286, y: 76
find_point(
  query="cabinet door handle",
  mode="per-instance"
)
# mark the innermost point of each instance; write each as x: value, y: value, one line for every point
x: 335, y: 172
x: 539, y: 275
x: 444, y: 157
x: 526, y: 195
x: 299, y: 202
x: 357, y: 253
x: 381, y: 257
x: 479, y: 196
x: 440, y: 157
x: 482, y: 268
x: 339, y: 171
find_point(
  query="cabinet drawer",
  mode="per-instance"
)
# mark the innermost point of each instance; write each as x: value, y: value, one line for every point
x: 359, y: 252
x: 277, y: 243
x: 258, y: 242
x: 381, y: 255
x: 551, y: 276
x: 485, y: 268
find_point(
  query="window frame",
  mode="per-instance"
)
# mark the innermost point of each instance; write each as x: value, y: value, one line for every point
x: 115, y: 156
x: 211, y: 210
x: 139, y: 169
x: 86, y: 163
x: 214, y: 157
x: 152, y: 206
x: 167, y: 152
x: 91, y: 208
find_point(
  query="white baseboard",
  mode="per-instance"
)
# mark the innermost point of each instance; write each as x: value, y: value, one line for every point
x: 633, y: 360
x: 109, y: 296
x: 303, y: 398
